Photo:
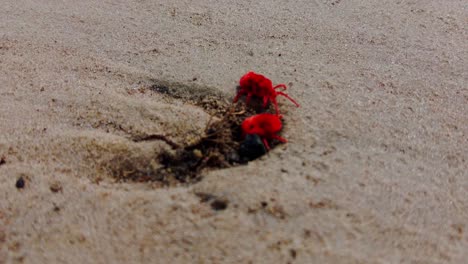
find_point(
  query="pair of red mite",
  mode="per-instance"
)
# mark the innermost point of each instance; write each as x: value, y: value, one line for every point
x: 264, y: 125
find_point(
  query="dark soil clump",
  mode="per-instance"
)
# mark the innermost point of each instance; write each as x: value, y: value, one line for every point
x: 219, y: 148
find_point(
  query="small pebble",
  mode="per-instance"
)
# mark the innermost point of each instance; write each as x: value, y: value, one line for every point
x: 251, y: 148
x: 219, y: 205
x: 55, y: 187
x: 197, y: 153
x: 20, y: 183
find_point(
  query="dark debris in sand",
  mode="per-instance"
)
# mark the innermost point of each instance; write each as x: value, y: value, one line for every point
x: 220, y: 147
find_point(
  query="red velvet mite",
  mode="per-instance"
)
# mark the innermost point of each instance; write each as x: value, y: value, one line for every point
x: 256, y: 84
x: 265, y: 126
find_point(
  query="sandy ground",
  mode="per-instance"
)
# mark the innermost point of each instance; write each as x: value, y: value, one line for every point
x: 375, y: 170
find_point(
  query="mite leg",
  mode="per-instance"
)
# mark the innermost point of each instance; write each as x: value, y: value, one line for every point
x: 265, y: 101
x: 266, y: 144
x: 287, y: 96
x: 239, y: 94
x: 276, y: 105
x: 247, y: 100
x: 279, y: 138
x: 280, y: 86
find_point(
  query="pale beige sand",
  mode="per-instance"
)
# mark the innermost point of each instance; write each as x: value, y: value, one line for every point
x: 375, y: 170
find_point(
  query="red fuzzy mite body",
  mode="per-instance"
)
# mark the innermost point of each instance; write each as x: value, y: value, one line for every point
x: 265, y: 126
x: 258, y: 85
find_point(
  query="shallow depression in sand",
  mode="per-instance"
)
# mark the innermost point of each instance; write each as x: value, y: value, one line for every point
x: 219, y: 145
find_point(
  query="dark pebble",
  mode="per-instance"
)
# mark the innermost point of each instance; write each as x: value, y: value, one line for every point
x: 20, y: 183
x: 251, y: 148
x: 56, y: 187
x: 219, y: 205
x: 293, y: 253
